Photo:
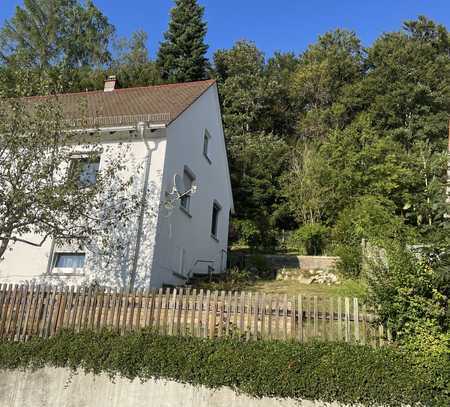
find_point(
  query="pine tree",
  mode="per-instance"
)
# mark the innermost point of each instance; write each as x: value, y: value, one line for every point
x: 182, y: 55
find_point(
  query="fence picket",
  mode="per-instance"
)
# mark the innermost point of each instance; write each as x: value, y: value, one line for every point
x: 193, y: 313
x: 263, y: 315
x: 212, y: 331
x: 178, y: 313
x: 199, y: 314
x: 4, y: 304
x: 241, y: 314
x: 356, y: 319
x: 20, y: 312
x: 300, y: 318
x: 10, y: 309
x: 26, y: 311
x: 220, y: 308
x: 228, y: 311
x: 158, y: 310
x: 293, y: 317
x: 277, y: 317
x: 185, y: 310
x: 347, y: 319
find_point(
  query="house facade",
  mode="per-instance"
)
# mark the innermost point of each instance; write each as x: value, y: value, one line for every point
x: 171, y: 139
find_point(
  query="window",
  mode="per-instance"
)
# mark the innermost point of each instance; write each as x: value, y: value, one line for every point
x: 84, y: 170
x: 215, y: 219
x: 69, y: 260
x: 188, y: 182
x: 206, y: 138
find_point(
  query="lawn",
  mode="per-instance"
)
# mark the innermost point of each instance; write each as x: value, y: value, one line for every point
x: 348, y: 288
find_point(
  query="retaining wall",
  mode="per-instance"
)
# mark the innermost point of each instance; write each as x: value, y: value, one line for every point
x: 51, y: 387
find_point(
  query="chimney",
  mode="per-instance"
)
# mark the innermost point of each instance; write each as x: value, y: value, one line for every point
x: 110, y: 83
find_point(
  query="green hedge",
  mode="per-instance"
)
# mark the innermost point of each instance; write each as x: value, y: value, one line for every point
x: 314, y: 371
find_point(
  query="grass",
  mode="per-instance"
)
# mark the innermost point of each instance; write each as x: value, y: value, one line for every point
x: 348, y: 288
x: 244, y: 281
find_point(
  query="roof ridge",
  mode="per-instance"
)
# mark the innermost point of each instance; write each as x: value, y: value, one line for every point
x: 121, y: 90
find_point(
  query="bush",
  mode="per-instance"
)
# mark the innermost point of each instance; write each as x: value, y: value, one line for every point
x: 311, y: 238
x: 316, y: 371
x: 350, y: 260
x: 371, y: 218
x: 255, y: 235
x: 412, y: 299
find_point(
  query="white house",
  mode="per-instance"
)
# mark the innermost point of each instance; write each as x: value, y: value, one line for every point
x: 174, y: 134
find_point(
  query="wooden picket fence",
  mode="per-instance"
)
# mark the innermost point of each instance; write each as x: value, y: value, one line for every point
x: 40, y: 310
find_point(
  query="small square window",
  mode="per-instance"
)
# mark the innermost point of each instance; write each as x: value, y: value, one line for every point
x: 84, y: 170
x: 215, y: 219
x: 69, y: 260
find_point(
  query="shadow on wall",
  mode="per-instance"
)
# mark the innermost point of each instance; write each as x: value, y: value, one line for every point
x: 110, y: 257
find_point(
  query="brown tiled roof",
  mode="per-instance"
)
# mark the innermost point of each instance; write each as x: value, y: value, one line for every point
x: 158, y: 104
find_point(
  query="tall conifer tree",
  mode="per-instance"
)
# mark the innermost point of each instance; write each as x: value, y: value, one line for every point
x: 182, y: 55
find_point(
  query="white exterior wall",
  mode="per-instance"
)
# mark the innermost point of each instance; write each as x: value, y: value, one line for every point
x: 165, y: 233
x: 25, y: 263
x: 192, y: 234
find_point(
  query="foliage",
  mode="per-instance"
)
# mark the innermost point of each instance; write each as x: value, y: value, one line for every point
x: 324, y: 69
x: 132, y: 64
x: 49, y: 33
x: 42, y: 190
x: 311, y: 237
x: 306, y: 185
x: 246, y: 233
x: 315, y: 371
x: 369, y: 218
x: 182, y: 54
x: 412, y: 299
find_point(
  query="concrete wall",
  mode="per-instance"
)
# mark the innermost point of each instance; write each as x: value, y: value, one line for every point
x: 58, y: 388
x: 191, y: 233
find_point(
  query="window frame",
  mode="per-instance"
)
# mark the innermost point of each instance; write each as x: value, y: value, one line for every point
x: 216, y: 209
x: 206, y: 144
x: 61, y: 247
x: 83, y: 158
x: 187, y: 197
x: 55, y: 270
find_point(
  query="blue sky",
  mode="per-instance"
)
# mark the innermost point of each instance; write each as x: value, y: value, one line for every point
x: 285, y: 25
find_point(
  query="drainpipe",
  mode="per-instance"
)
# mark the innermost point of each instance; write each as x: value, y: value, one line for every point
x: 148, y: 159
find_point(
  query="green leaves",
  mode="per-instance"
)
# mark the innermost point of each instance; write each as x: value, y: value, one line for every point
x: 314, y: 371
x: 182, y: 54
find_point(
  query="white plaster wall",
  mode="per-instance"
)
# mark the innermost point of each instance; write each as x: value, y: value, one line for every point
x: 58, y: 388
x: 176, y: 230
x: 25, y: 263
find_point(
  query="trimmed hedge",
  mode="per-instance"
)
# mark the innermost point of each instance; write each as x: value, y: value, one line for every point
x: 315, y: 371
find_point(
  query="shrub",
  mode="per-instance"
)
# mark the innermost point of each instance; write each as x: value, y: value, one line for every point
x: 247, y: 232
x: 371, y: 218
x: 413, y: 302
x: 311, y: 238
x: 316, y: 370
x: 350, y: 260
